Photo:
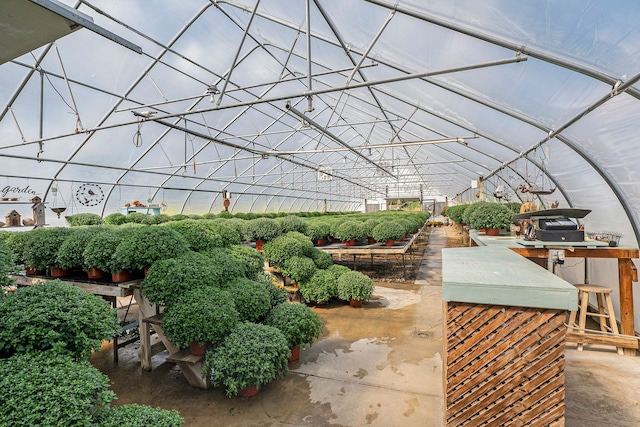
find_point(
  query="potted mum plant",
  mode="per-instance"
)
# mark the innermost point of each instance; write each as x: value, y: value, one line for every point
x: 99, y: 251
x: 318, y: 231
x: 262, y: 230
x: 42, y: 249
x: 71, y: 252
x: 143, y: 246
x: 491, y: 217
x: 286, y: 246
x: 388, y: 232
x: 76, y: 321
x: 292, y: 223
x: 200, y: 317
x: 169, y: 278
x: 299, y: 324
x: 252, y: 299
x: 320, y: 288
x: 350, y: 231
x: 369, y: 225
x: 354, y: 287
x: 251, y: 356
x: 298, y: 269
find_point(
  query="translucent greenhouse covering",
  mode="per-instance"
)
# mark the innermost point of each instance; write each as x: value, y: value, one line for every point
x: 321, y: 105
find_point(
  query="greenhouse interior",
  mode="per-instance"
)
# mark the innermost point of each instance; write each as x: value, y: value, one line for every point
x: 441, y: 196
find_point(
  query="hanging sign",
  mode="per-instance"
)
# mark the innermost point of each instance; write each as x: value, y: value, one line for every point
x: 10, y: 190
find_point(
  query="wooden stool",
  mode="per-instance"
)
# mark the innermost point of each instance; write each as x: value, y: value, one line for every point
x: 583, y: 298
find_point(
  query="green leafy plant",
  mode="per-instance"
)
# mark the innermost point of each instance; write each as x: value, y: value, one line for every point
x: 369, y: 225
x: 99, y: 250
x: 18, y: 242
x: 252, y: 259
x: 466, y: 215
x: 203, y: 314
x: 115, y: 218
x: 58, y: 316
x: 49, y: 389
x: 136, y: 217
x: 299, y: 268
x: 155, y: 219
x: 134, y: 415
x: 84, y: 219
x: 317, y: 230
x: 354, y: 285
x: 491, y: 215
x: 240, y: 225
x: 202, y: 235
x: 277, y: 294
x: 178, y: 217
x: 299, y: 324
x: 252, y: 299
x: 350, y: 230
x: 286, y: 246
x: 265, y: 229
x: 41, y: 249
x: 455, y: 213
x: 71, y: 252
x: 167, y: 279
x: 7, y: 265
x: 143, y: 246
x: 388, y: 230
x: 292, y: 223
x: 321, y: 258
x: 251, y: 355
x: 320, y: 288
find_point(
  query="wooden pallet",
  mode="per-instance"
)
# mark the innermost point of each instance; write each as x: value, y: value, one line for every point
x: 503, y: 365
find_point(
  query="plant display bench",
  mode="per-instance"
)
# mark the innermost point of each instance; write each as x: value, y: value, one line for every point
x: 504, y: 339
x: 107, y: 290
x: 399, y: 249
x: 285, y: 282
x: 152, y: 343
x: 150, y: 318
x: 191, y: 367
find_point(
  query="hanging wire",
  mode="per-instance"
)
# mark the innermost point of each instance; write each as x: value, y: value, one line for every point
x: 137, y: 137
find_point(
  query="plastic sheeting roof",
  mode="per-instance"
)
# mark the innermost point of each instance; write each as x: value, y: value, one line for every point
x: 302, y: 105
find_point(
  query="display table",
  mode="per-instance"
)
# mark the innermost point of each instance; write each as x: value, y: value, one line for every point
x: 504, y: 338
x: 399, y: 248
x: 538, y: 251
x: 147, y: 210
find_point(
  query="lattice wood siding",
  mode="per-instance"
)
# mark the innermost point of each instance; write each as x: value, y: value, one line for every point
x: 504, y: 366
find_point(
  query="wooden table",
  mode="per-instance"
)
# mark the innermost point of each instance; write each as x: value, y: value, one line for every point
x: 399, y: 248
x: 627, y: 274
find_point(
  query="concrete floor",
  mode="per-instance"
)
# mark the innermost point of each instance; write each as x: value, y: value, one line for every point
x: 378, y: 365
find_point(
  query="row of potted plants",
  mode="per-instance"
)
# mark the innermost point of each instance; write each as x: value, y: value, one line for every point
x: 484, y: 215
x: 313, y: 272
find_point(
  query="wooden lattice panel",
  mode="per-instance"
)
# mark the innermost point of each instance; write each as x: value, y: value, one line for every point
x: 504, y: 366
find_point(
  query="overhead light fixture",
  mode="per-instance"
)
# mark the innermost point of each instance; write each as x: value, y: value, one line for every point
x: 212, y: 90
x: 146, y: 114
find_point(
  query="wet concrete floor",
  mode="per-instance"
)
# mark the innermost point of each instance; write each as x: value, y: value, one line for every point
x: 378, y: 365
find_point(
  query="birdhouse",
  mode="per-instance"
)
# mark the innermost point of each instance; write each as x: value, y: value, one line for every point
x: 12, y: 219
x: 38, y: 211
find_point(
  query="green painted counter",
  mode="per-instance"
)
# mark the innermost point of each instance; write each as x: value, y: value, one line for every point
x: 499, y: 276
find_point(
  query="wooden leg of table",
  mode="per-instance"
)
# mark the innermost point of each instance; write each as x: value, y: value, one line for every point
x: 582, y: 320
x: 144, y: 310
x: 404, y: 268
x: 625, y: 278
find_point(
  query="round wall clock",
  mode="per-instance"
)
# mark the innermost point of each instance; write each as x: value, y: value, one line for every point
x: 89, y: 194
